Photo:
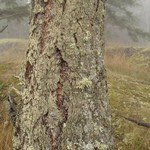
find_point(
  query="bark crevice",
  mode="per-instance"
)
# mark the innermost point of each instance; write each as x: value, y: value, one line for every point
x: 44, y: 28
x: 97, y: 5
x: 64, y: 6
x: 28, y: 71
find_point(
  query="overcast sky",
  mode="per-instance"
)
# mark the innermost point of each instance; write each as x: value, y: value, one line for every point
x: 21, y: 30
x: 144, y: 14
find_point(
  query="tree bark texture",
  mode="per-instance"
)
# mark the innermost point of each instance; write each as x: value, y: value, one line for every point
x: 64, y: 102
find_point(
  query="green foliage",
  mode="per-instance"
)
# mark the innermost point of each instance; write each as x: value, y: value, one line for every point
x: 120, y: 14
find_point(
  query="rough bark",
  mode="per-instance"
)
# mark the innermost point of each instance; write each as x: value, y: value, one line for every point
x: 64, y: 103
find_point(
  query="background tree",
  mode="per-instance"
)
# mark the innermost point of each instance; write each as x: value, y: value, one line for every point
x: 64, y: 103
x: 13, y: 10
x: 120, y: 14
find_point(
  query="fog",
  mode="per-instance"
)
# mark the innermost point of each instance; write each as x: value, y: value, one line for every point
x: 20, y: 29
x: 142, y: 12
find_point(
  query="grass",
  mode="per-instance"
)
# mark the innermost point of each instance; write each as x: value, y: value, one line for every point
x: 5, y: 130
x: 6, y: 127
x: 132, y: 64
x: 129, y: 93
x: 129, y: 96
x: 12, y: 50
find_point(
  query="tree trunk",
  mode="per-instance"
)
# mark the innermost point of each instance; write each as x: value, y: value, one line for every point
x: 64, y: 103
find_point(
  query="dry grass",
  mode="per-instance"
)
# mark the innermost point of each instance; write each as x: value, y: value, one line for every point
x: 6, y: 137
x: 128, y: 66
x: 5, y: 130
x: 127, y: 95
x: 12, y: 50
x: 6, y: 127
x: 11, y: 56
x: 129, y: 98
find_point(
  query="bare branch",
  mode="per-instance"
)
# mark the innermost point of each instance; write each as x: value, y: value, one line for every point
x: 3, y: 28
x: 138, y: 122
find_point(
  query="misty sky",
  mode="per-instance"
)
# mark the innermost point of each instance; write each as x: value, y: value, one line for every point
x: 145, y: 14
x: 21, y: 30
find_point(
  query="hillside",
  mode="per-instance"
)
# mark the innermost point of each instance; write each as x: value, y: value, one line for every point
x: 129, y: 91
x: 129, y: 98
x: 129, y: 95
x: 134, y: 62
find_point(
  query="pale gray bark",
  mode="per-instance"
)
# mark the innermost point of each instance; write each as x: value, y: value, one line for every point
x: 64, y: 103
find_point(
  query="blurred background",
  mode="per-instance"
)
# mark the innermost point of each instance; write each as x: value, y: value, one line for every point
x: 127, y: 22
x: 127, y: 60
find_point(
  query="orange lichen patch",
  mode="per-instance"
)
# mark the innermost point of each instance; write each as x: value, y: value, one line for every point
x: 63, y: 73
x: 44, y: 32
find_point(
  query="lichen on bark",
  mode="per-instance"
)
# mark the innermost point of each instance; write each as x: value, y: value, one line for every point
x: 64, y: 102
